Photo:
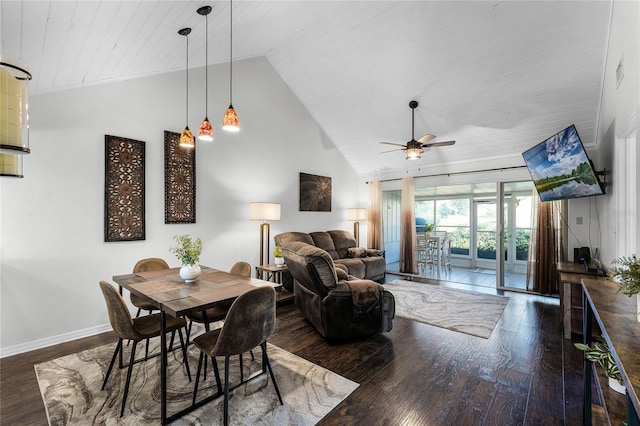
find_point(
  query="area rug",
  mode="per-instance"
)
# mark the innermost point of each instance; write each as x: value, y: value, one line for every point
x: 70, y: 388
x: 459, y: 310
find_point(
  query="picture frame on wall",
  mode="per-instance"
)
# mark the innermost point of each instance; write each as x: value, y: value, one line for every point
x: 315, y: 193
x: 124, y: 189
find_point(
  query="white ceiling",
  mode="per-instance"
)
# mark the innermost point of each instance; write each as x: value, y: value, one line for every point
x: 498, y: 77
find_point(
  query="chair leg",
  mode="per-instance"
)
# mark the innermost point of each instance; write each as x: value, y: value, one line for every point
x: 241, y: 369
x: 126, y: 386
x: 217, y: 374
x: 273, y: 377
x: 226, y: 390
x: 113, y: 361
x: 184, y: 353
x: 195, y: 388
x: 138, y: 313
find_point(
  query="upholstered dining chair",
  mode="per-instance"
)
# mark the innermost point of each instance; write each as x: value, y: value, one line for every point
x: 250, y: 321
x: 135, y: 330
x: 217, y: 313
x: 144, y: 265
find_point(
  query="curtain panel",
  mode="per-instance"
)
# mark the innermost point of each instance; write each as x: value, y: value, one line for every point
x: 546, y: 246
x: 375, y: 237
x: 408, y: 262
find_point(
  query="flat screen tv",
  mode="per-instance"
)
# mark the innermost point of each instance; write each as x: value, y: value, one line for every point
x: 560, y: 168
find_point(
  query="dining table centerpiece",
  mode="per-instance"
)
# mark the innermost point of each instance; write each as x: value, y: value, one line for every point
x: 188, y: 251
x: 626, y: 273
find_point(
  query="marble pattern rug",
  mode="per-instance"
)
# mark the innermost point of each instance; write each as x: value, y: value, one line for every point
x: 464, y: 311
x: 70, y: 388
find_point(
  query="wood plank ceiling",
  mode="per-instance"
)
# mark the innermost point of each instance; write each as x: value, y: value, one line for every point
x: 497, y: 77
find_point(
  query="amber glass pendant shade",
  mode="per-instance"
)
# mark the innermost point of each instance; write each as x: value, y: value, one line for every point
x: 205, y: 131
x: 230, y: 122
x: 186, y: 139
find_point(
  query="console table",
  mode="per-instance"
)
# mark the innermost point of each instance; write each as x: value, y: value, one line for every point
x: 615, y: 313
x: 571, y: 275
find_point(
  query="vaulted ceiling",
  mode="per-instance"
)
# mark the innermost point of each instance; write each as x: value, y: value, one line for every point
x: 497, y: 77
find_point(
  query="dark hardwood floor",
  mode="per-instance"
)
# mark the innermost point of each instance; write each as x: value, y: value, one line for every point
x: 417, y: 374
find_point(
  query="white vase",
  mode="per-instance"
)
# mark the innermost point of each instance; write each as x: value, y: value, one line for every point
x: 189, y: 273
x: 279, y: 261
x: 616, y: 386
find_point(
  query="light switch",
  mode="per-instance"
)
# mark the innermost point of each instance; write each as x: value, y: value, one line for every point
x: 579, y: 220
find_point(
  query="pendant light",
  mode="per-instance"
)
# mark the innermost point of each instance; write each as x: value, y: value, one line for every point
x: 230, y: 122
x: 186, y: 138
x: 205, y: 131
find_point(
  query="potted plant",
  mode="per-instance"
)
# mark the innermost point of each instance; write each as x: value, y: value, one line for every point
x: 278, y: 256
x: 627, y: 274
x: 601, y: 354
x: 188, y: 251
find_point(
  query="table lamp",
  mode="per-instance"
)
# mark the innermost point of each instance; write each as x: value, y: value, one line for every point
x: 356, y: 215
x: 264, y: 212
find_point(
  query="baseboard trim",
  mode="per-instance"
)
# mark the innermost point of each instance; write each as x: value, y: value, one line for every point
x: 53, y: 340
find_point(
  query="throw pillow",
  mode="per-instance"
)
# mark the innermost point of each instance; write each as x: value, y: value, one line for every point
x: 356, y: 252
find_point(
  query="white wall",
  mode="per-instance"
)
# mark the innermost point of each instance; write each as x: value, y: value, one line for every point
x: 619, y: 105
x: 51, y: 238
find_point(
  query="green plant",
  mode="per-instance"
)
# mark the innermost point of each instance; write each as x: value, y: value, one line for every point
x: 277, y: 252
x: 429, y: 227
x: 186, y: 249
x: 628, y: 274
x: 601, y: 354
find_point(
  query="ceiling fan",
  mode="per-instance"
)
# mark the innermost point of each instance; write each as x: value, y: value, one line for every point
x: 414, y: 148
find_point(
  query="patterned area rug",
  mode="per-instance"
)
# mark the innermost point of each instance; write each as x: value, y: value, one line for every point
x: 464, y: 311
x: 70, y: 388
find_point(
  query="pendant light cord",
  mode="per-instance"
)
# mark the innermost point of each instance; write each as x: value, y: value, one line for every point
x: 187, y: 116
x: 231, y: 52
x: 206, y: 68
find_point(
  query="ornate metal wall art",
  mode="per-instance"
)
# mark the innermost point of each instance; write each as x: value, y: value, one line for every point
x: 124, y: 206
x: 179, y: 181
x: 315, y: 193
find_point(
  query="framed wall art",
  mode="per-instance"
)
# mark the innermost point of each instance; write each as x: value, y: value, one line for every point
x: 179, y: 181
x: 124, y: 215
x: 315, y: 193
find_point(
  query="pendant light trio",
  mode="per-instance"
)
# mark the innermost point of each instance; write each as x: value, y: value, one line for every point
x: 230, y: 122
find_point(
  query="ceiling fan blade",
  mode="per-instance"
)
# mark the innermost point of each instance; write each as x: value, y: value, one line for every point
x: 426, y: 138
x: 395, y: 144
x: 445, y: 143
x: 393, y: 150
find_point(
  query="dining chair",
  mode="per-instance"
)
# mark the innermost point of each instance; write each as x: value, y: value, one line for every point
x: 135, y: 330
x: 217, y: 313
x: 250, y: 321
x: 144, y: 265
x: 424, y: 252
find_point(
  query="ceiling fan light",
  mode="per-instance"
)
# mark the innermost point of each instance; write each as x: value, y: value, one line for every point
x: 414, y: 153
x: 186, y: 139
x: 205, y: 131
x: 230, y: 122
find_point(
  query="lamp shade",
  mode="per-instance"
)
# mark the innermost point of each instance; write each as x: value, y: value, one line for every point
x: 14, y: 109
x: 357, y: 214
x: 414, y: 153
x: 264, y: 211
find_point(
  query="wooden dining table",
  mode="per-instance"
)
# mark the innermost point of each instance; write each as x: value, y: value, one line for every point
x: 173, y: 296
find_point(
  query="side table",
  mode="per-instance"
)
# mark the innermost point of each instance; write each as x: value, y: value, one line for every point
x: 277, y: 274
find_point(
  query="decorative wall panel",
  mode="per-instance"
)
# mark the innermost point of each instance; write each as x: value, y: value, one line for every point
x: 315, y: 193
x: 124, y: 189
x: 179, y: 181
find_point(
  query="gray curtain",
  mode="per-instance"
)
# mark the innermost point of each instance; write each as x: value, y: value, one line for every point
x: 375, y: 237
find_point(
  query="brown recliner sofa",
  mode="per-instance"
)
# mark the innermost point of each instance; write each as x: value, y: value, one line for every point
x: 339, y: 306
x: 341, y: 245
